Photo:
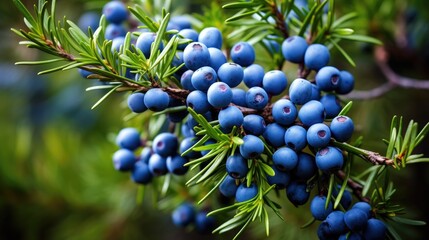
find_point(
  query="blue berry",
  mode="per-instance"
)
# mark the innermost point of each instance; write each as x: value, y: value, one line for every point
x: 275, y: 134
x: 254, y: 124
x: 113, y: 31
x: 328, y: 78
x: 141, y: 173
x: 342, y: 128
x: 318, y: 135
x: 84, y: 73
x: 355, y: 219
x: 252, y: 147
x: 197, y: 100
x: 217, y: 58
x: 203, y: 78
x: 196, y: 55
x: 315, y: 92
x: 306, y: 167
x: 236, y: 166
x: 186, y: 144
x: 183, y: 215
x: 311, y: 113
x: 228, y: 187
x: 144, y: 42
x: 211, y: 37
x: 229, y: 117
x: 145, y: 154
x: 335, y: 223
x: 346, y: 84
x: 175, y: 165
x: 245, y: 193
x: 274, y: 82
x: 316, y: 56
x: 203, y: 223
x: 256, y: 98
x: 253, y: 75
x: 123, y: 159
x: 157, y: 165
x: 329, y: 159
x: 375, y: 230
x: 165, y: 144
x: 185, y: 80
x: 332, y: 105
x: 364, y: 206
x: 317, y: 207
x: 219, y: 95
x: 293, y: 49
x: 346, y: 198
x: 231, y: 74
x: 128, y: 138
x: 284, y: 112
x: 117, y: 43
x: 89, y: 20
x: 136, y: 102
x: 285, y: 159
x: 183, y: 22
x: 300, y: 91
x: 239, y: 97
x: 115, y: 12
x: 187, y: 33
x: 297, y: 193
x: 156, y: 99
x: 243, y: 54
x: 296, y: 137
x: 280, y: 179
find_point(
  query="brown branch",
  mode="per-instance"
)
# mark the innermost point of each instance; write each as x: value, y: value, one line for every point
x: 356, y: 187
x: 279, y: 19
x: 394, y: 80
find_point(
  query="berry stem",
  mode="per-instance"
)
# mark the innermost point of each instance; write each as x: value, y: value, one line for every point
x: 370, y: 156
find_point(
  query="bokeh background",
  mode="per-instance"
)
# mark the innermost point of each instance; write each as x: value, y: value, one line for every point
x: 56, y: 174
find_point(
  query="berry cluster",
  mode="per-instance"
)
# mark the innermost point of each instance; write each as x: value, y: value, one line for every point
x: 185, y: 215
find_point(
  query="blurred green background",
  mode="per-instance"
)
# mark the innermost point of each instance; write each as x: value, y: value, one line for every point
x: 56, y: 175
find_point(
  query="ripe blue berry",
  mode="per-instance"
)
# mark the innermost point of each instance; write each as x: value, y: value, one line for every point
x: 239, y: 97
x: 165, y: 144
x: 89, y: 20
x: 156, y: 99
x: 187, y: 33
x: 355, y: 219
x: 128, y: 138
x: 211, y: 37
x: 318, y: 135
x: 217, y: 58
x: 219, y: 95
x: 306, y: 167
x: 274, y: 82
x: 252, y: 147
x: 141, y: 173
x: 275, y: 134
x: 175, y: 165
x: 329, y: 159
x: 328, y: 78
x: 296, y: 137
x: 245, y: 193
x: 117, y: 43
x: 364, y: 206
x: 196, y: 55
x: 231, y: 74
x: 203, y: 78
x: 280, y: 179
x: 335, y: 223
x: 181, y: 21
x: 136, y: 102
x: 228, y: 187
x: 254, y: 124
x: 375, y: 230
x: 185, y: 80
x: 316, y: 56
x: 123, y: 159
x: 332, y: 105
x: 243, y: 54
x: 311, y: 113
x: 285, y: 159
x: 297, y: 193
x: 115, y: 12
x: 145, y: 154
x: 197, y: 100
x: 229, y: 117
x: 315, y: 92
x: 113, y: 31
x: 342, y: 128
x: 186, y: 144
x: 203, y: 223
x: 253, y: 75
x: 284, y: 112
x: 236, y: 166
x: 157, y: 165
x: 317, y: 207
x: 256, y: 98
x: 346, y: 84
x: 300, y: 91
x: 346, y: 198
x: 293, y: 49
x: 144, y: 42
x: 183, y: 215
